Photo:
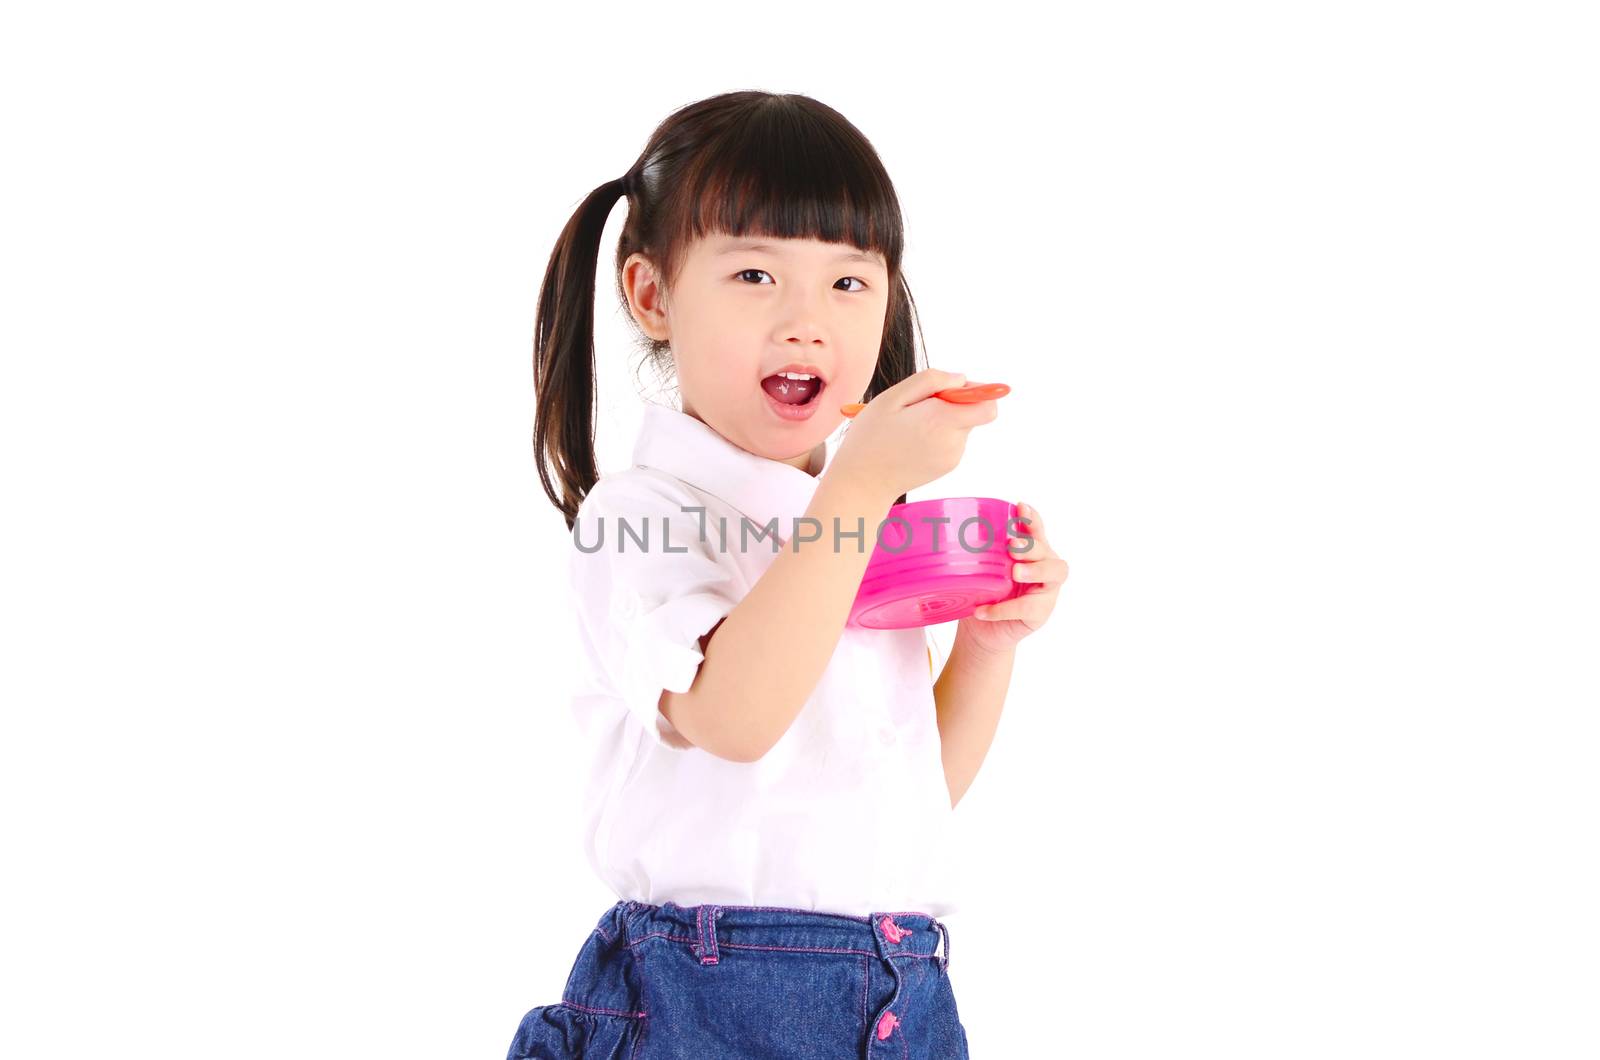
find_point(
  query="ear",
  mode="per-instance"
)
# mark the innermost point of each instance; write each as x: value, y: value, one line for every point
x: 646, y: 297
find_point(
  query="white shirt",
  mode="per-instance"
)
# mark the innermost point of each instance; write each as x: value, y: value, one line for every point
x: 849, y: 812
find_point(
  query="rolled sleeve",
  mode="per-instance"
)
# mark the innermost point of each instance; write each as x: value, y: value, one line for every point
x: 661, y: 652
x: 643, y: 609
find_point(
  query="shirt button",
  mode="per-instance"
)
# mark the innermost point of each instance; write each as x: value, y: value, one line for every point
x: 886, y: 736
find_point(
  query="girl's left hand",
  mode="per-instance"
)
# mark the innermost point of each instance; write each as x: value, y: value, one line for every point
x: 998, y: 627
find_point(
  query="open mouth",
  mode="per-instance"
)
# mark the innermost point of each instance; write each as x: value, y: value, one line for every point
x: 793, y: 388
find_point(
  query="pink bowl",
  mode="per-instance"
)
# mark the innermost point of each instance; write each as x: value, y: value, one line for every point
x: 910, y: 582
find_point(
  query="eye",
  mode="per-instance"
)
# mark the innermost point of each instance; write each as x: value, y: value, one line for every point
x: 762, y: 272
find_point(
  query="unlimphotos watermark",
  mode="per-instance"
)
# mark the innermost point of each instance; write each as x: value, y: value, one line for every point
x: 896, y: 543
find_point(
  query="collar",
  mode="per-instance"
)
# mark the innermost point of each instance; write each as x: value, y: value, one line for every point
x: 756, y: 487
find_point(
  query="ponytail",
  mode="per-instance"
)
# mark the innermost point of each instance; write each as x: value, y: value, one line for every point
x: 564, y: 358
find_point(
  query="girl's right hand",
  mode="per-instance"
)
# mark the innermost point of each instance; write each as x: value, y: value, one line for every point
x: 905, y: 437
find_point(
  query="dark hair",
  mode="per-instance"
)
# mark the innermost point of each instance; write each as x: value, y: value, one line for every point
x: 741, y: 163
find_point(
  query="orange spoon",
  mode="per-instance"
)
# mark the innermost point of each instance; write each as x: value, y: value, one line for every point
x: 961, y: 395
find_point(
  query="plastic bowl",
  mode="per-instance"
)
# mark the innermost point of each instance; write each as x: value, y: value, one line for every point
x: 910, y: 581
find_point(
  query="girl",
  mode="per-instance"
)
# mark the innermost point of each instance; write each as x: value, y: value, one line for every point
x: 769, y: 788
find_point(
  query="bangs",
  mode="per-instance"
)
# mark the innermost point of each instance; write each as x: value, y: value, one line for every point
x: 785, y: 174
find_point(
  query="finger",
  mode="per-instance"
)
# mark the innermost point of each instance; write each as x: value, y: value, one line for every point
x: 923, y: 384
x: 1020, y: 546
x: 942, y: 415
x: 1034, y: 545
x: 1043, y: 571
x: 970, y: 414
x: 1029, y: 521
x: 1024, y: 608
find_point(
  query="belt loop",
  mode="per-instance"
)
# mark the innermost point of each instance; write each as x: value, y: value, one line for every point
x: 944, y: 964
x: 706, y: 917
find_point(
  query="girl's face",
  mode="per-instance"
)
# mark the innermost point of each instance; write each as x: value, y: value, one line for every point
x: 744, y: 309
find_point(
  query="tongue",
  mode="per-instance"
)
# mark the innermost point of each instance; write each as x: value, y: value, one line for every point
x: 789, y: 391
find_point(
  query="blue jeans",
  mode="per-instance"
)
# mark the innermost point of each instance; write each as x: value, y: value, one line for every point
x: 709, y: 982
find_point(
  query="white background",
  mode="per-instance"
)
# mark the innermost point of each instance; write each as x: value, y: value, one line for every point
x: 1299, y: 308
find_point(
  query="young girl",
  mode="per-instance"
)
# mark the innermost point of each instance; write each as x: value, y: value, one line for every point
x: 769, y: 788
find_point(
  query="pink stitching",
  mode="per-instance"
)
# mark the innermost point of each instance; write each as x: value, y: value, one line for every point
x: 822, y: 912
x: 601, y: 1011
x: 705, y: 946
x: 639, y: 954
x: 794, y: 949
x: 910, y: 913
x: 628, y: 938
x: 785, y: 949
x: 892, y: 930
x: 751, y: 946
x: 808, y: 912
x: 660, y: 935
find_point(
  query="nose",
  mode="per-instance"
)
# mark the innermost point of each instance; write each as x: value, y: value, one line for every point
x: 803, y: 333
x: 804, y: 315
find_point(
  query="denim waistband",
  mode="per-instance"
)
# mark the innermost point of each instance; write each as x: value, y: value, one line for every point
x: 707, y: 930
x: 743, y: 980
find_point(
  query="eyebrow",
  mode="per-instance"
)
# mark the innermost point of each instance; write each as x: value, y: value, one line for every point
x: 737, y: 248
